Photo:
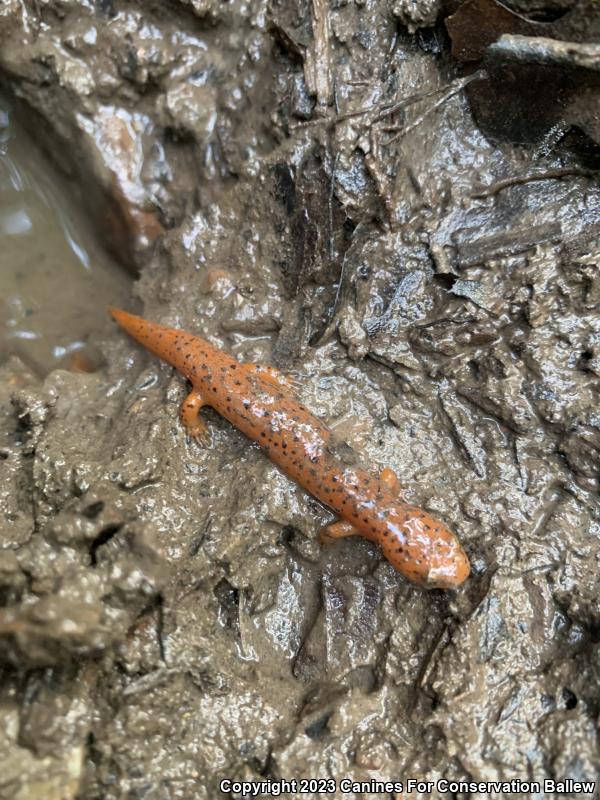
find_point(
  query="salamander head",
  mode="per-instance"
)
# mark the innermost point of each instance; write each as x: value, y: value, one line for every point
x: 451, y: 568
x: 424, y: 549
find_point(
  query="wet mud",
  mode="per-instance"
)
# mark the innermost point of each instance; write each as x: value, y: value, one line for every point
x: 326, y: 188
x: 55, y: 277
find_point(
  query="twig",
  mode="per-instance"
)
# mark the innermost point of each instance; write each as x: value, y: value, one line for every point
x: 373, y: 165
x: 545, y: 175
x: 317, y: 63
x: 330, y: 207
x: 452, y: 89
x: 390, y: 107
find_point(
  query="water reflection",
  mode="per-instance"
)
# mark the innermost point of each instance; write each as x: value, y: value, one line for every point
x: 55, y: 279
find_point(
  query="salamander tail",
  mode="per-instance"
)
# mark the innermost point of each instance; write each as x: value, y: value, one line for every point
x: 142, y: 330
x: 167, y: 343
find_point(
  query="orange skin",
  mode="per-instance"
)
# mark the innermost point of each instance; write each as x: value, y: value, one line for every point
x: 260, y: 402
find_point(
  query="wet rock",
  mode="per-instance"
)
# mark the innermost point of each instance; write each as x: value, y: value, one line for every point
x: 575, y: 579
x: 519, y: 641
x: 556, y: 76
x: 162, y: 88
x: 352, y: 334
x: 575, y: 726
x: 204, y: 9
x: 463, y: 428
x: 25, y: 775
x: 59, y: 714
x: 79, y: 605
x: 581, y: 446
x: 207, y: 731
x: 502, y: 397
x: 422, y: 14
x: 192, y: 108
x: 15, y: 462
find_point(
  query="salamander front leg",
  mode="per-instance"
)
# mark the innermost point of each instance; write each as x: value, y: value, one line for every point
x: 190, y: 417
x: 274, y: 377
x: 337, y: 530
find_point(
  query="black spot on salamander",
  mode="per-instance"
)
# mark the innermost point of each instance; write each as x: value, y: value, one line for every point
x: 262, y: 435
x: 214, y: 388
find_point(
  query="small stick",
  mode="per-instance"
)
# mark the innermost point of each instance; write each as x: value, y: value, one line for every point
x: 451, y: 89
x: 387, y: 108
x: 317, y: 63
x: 547, y: 175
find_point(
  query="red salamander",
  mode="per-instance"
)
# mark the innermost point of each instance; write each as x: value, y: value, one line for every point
x: 261, y: 403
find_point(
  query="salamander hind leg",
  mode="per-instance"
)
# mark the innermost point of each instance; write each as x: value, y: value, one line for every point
x: 390, y: 483
x: 274, y: 377
x: 190, y: 417
x: 337, y: 530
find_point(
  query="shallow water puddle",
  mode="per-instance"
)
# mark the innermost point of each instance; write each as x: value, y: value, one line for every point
x: 55, y: 278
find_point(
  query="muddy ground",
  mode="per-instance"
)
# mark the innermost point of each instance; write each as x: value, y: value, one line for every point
x: 411, y: 225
